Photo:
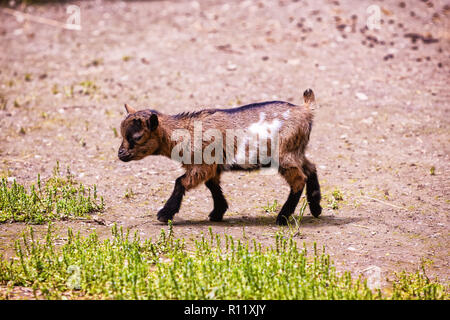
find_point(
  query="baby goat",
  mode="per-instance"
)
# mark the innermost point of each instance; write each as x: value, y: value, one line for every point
x: 265, y: 134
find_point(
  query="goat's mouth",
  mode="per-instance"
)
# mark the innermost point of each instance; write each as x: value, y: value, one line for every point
x: 125, y: 157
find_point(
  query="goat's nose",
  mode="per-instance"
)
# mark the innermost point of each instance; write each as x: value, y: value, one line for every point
x: 124, y: 155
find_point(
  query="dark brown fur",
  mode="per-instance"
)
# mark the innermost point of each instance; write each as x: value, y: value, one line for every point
x: 149, y: 132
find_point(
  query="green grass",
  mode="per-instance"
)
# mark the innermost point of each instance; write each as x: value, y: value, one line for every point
x: 129, y: 193
x: 334, y: 198
x: 216, y: 267
x: 294, y: 224
x: 432, y: 171
x: 57, y: 198
x: 88, y: 87
x: 418, y: 286
x: 271, y: 208
x: 3, y: 102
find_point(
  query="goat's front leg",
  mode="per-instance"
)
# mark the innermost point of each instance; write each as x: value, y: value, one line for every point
x: 220, y: 203
x: 173, y: 205
x: 194, y: 175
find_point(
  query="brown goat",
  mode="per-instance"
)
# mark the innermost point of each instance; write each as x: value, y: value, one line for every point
x: 259, y: 135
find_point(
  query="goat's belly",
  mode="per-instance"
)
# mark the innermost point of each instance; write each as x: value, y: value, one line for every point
x: 244, y: 167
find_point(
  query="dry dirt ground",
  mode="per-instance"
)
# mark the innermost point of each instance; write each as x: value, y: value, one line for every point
x: 381, y: 131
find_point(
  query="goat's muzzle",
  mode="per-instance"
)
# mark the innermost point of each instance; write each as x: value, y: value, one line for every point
x: 124, y: 155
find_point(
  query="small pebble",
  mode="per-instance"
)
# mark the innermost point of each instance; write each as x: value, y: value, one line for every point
x: 361, y: 96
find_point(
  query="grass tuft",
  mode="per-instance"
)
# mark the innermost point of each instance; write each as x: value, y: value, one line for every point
x: 334, y: 198
x: 58, y: 198
x: 271, y: 208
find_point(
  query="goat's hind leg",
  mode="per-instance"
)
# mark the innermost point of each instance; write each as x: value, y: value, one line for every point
x: 296, y: 180
x: 312, y: 188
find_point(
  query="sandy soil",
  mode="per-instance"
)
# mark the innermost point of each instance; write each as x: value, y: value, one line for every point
x: 381, y: 132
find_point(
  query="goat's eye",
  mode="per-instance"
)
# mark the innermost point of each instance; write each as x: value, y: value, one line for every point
x: 137, y: 137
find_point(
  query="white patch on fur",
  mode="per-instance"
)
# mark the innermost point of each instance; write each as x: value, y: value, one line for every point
x: 258, y: 131
x: 265, y: 129
x: 286, y: 114
x: 262, y: 130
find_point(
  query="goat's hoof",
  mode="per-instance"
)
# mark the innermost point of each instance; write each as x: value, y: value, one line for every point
x: 282, y: 220
x: 163, y: 220
x: 163, y: 216
x: 315, y: 209
x: 215, y: 216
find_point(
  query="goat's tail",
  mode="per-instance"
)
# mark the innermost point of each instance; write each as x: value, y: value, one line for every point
x: 309, y: 98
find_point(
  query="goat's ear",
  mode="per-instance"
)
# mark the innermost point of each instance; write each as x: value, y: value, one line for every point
x: 130, y: 110
x: 152, y: 122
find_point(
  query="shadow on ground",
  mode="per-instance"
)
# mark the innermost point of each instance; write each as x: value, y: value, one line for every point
x: 307, y: 222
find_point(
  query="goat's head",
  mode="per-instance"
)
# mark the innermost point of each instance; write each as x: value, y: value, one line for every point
x: 140, y: 135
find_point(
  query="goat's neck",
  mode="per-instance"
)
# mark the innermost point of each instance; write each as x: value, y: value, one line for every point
x: 166, y: 131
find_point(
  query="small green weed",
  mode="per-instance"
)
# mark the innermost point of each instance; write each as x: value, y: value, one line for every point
x: 68, y: 91
x: 88, y: 87
x: 55, y: 89
x: 271, y: 208
x: 432, y: 171
x: 129, y: 193
x: 334, y: 198
x: 295, y: 230
x: 3, y: 102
